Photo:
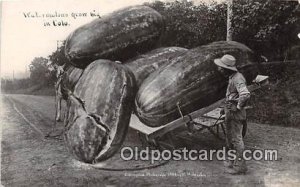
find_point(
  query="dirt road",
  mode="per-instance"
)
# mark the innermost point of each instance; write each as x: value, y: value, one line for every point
x: 29, y: 159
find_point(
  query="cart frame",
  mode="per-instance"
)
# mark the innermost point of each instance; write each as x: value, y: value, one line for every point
x: 153, y: 135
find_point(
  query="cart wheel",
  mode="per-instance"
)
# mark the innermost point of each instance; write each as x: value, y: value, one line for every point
x: 222, y: 132
x: 244, y: 128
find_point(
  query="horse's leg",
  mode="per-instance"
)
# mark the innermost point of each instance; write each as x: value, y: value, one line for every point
x: 58, y: 107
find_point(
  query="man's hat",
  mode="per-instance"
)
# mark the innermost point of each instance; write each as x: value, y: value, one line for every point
x: 227, y: 61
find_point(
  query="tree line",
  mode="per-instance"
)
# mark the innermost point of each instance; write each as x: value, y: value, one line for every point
x: 269, y: 27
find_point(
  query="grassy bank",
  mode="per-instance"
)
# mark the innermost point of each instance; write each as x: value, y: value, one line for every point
x: 278, y: 103
x: 34, y: 90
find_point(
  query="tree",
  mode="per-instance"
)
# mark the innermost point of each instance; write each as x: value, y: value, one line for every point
x: 58, y: 57
x: 189, y: 25
x: 39, y: 72
x: 6, y: 85
x: 267, y: 26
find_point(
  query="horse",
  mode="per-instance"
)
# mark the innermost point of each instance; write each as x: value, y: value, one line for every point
x: 67, y: 77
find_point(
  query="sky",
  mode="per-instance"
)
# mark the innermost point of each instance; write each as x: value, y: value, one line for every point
x: 24, y: 36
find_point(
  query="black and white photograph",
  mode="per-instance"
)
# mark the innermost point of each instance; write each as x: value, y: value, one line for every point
x: 150, y: 93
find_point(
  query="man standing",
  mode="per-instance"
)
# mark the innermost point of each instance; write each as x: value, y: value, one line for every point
x: 236, y: 96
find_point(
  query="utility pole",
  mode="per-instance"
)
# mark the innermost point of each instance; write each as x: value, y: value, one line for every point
x: 229, y: 20
x: 13, y: 80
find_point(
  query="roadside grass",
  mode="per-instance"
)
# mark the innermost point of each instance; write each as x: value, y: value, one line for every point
x: 35, y: 90
x: 279, y: 102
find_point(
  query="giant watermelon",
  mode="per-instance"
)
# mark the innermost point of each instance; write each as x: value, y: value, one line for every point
x: 117, y: 36
x: 99, y: 111
x: 192, y: 80
x: 143, y: 65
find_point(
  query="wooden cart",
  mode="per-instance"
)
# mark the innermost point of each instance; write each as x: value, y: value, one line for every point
x: 207, y: 118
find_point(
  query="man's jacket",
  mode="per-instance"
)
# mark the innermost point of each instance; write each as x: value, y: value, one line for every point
x: 237, y: 94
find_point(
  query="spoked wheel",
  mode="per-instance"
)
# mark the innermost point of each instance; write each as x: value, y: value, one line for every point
x: 217, y: 130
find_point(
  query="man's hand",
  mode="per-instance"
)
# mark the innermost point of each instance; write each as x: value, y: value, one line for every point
x: 232, y: 105
x: 238, y: 107
x: 222, y: 112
